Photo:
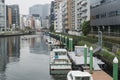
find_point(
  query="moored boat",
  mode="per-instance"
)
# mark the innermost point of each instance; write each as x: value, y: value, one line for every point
x: 59, y: 62
x: 79, y: 75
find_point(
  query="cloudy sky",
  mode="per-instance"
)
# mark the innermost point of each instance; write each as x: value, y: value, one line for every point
x: 25, y: 4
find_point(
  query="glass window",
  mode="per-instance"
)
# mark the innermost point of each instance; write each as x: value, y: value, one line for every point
x: 85, y: 78
x: 97, y: 16
x: 103, y: 15
x: 112, y: 13
x: 82, y: 78
x: 118, y: 12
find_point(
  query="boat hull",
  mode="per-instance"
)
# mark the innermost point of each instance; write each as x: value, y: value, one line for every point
x: 59, y: 71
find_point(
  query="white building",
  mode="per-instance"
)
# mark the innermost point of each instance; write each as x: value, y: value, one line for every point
x: 58, y: 16
x: 83, y: 12
x: 46, y: 23
x: 2, y: 15
x: 74, y: 15
x: 64, y: 14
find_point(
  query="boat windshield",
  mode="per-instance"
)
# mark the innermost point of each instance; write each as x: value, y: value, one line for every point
x: 60, y: 53
x: 82, y: 78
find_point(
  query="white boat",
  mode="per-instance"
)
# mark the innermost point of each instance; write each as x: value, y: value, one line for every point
x: 79, y: 75
x: 59, y: 62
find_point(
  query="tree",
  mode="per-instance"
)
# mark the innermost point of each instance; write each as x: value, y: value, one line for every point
x: 86, y: 27
x: 51, y: 28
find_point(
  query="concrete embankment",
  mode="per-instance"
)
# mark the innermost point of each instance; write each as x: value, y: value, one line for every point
x: 13, y: 33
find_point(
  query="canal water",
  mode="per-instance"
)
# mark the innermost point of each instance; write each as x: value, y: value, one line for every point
x: 25, y: 58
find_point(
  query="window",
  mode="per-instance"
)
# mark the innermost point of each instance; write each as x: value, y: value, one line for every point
x: 112, y: 13
x: 82, y: 78
x: 118, y: 12
x: 97, y: 16
x: 103, y: 15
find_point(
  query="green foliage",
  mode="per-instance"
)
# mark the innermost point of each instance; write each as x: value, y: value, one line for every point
x: 107, y: 56
x: 86, y: 27
x: 51, y: 28
x: 28, y: 28
x: 118, y: 53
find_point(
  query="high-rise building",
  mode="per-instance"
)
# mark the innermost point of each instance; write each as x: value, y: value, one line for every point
x: 52, y: 13
x: 2, y: 15
x: 13, y: 11
x: 74, y: 14
x: 67, y: 15
x: 83, y: 12
x: 8, y: 17
x: 41, y: 10
x: 105, y: 16
x: 64, y: 15
x: 57, y: 15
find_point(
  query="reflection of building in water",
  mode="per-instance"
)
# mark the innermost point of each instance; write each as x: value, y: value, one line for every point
x: 3, y: 54
x: 13, y: 48
x: 9, y: 52
x: 37, y: 45
x: 32, y: 41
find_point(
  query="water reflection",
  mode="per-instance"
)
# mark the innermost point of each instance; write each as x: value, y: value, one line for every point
x: 9, y: 52
x: 25, y: 58
x: 36, y: 46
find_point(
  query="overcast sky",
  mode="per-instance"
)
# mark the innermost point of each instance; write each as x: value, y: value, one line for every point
x: 25, y: 4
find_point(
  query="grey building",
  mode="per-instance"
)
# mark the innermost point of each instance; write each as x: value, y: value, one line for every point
x: 15, y: 15
x: 2, y: 15
x: 105, y: 16
x: 52, y: 13
x: 42, y: 10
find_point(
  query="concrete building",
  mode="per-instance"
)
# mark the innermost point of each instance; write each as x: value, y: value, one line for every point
x: 52, y: 13
x: 29, y: 21
x: 105, y: 16
x: 57, y: 15
x: 46, y: 23
x: 41, y: 10
x: 83, y: 12
x: 15, y: 15
x: 67, y: 15
x: 8, y: 17
x: 2, y: 15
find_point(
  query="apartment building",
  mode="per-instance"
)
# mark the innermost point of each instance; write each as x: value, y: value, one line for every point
x: 2, y: 16
x: 83, y: 12
x: 52, y: 13
x: 13, y: 16
x: 58, y: 15
x: 67, y: 15
x: 74, y: 15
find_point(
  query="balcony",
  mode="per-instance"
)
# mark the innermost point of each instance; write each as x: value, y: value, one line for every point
x: 84, y: 2
x: 83, y: 15
x: 84, y: 9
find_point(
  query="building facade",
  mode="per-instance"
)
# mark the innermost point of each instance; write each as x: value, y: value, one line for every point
x: 57, y: 15
x: 13, y: 12
x: 2, y: 16
x: 105, y: 16
x: 52, y: 13
x: 67, y: 15
x: 42, y: 10
x: 8, y: 17
x: 83, y: 12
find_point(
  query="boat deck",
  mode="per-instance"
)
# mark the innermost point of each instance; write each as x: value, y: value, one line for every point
x: 79, y: 60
